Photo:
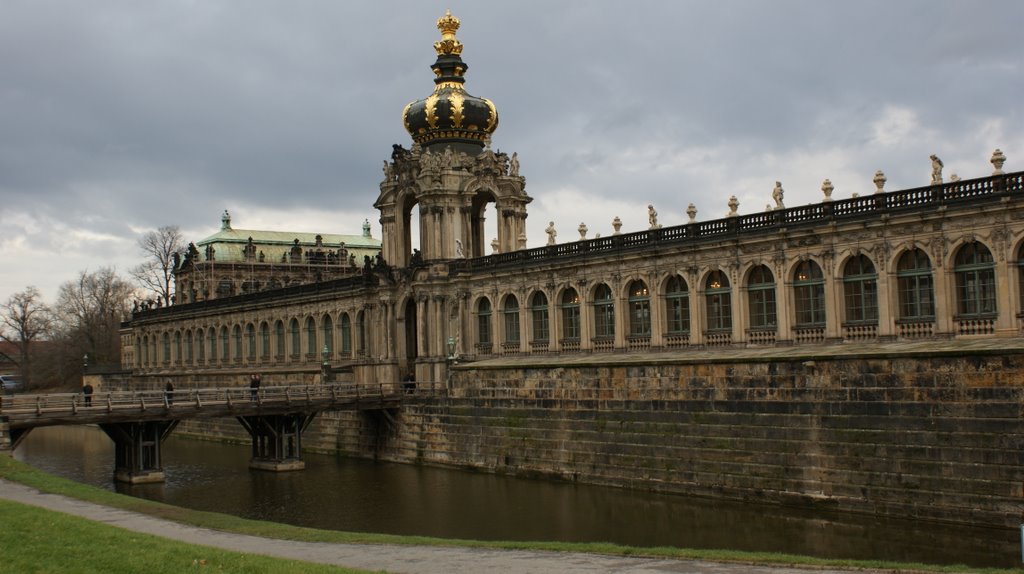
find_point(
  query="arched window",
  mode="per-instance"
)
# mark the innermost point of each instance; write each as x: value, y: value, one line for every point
x: 914, y: 277
x: 236, y: 334
x: 189, y: 350
x: 483, y: 321
x: 809, y: 294
x: 145, y: 350
x: 213, y: 343
x: 167, y: 348
x: 975, y: 281
x: 296, y: 346
x: 177, y: 347
x: 718, y: 302
x: 361, y: 333
x: 201, y: 346
x: 539, y: 317
x: 510, y: 317
x: 346, y: 335
x: 860, y: 290
x: 639, y: 310
x: 570, y: 315
x: 311, y: 346
x: 225, y: 344
x: 279, y: 340
x: 604, y: 312
x: 327, y: 326
x: 677, y: 306
x: 250, y: 342
x: 761, y: 298
x: 265, y: 341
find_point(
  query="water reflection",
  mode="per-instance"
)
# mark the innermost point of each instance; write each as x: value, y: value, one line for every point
x: 356, y: 495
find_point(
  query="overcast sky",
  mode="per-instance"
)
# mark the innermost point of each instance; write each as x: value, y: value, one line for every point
x: 118, y: 117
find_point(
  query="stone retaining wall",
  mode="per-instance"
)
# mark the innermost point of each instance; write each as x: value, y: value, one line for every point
x: 937, y: 438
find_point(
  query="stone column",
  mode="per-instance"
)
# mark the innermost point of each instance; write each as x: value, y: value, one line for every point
x: 1006, y: 275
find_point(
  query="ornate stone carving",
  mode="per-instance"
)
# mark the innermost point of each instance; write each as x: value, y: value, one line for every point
x: 734, y: 204
x: 652, y: 216
x: 552, y: 234
x: 617, y: 225
x: 879, y: 180
x: 938, y: 248
x: 777, y: 195
x: 997, y: 162
x: 826, y: 188
x: 936, y: 169
x: 691, y: 212
x: 583, y: 230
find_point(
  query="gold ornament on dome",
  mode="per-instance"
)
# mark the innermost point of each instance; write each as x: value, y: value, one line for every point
x: 405, y: 115
x: 492, y: 116
x: 449, y: 45
x: 455, y: 101
x: 430, y: 109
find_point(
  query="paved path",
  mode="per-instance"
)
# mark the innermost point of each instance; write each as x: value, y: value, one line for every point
x: 391, y: 558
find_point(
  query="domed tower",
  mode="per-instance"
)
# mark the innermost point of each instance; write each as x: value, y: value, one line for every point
x: 450, y: 176
x: 450, y: 117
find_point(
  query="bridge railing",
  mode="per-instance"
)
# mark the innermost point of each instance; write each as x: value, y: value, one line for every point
x: 39, y: 404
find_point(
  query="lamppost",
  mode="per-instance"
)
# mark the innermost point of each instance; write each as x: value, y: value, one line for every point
x: 85, y: 362
x: 326, y: 364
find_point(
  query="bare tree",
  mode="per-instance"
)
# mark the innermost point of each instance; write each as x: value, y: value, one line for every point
x: 24, y: 320
x: 157, y: 272
x: 89, y: 312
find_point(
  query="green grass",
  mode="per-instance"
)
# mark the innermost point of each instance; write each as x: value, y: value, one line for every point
x: 16, y: 471
x: 38, y: 540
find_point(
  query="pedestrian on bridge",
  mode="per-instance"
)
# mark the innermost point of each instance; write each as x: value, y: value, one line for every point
x: 169, y: 393
x: 87, y: 393
x: 254, y: 386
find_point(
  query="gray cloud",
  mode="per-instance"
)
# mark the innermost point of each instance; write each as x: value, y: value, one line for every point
x: 117, y: 116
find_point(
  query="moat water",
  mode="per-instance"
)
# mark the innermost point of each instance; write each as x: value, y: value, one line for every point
x: 357, y: 495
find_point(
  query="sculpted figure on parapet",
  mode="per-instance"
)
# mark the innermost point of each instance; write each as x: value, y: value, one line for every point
x: 936, y: 169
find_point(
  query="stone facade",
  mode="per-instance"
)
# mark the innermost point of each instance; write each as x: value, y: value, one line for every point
x: 539, y: 336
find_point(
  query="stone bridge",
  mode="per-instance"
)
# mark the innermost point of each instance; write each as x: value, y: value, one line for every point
x: 139, y: 421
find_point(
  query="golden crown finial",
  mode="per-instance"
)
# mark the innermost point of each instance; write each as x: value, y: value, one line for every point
x: 449, y: 44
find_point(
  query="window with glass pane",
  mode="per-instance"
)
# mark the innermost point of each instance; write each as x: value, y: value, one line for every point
x: 809, y: 294
x: 718, y: 302
x: 225, y: 344
x: 201, y: 345
x: 296, y: 337
x: 167, y: 348
x: 677, y: 306
x: 189, y: 352
x: 279, y: 338
x: 346, y: 335
x: 975, y: 281
x: 539, y: 316
x: 860, y: 290
x: 265, y: 340
x: 914, y: 279
x: 483, y: 321
x: 761, y: 298
x: 236, y: 335
x: 639, y: 310
x: 327, y: 326
x: 361, y: 332
x: 570, y: 315
x: 177, y: 347
x: 510, y: 316
x: 250, y: 341
x: 604, y: 312
x: 311, y: 348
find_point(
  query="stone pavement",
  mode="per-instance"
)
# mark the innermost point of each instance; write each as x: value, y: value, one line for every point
x: 390, y: 558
